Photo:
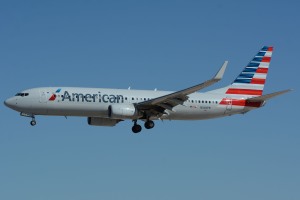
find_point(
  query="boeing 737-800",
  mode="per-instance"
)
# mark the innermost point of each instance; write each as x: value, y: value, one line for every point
x: 107, y: 107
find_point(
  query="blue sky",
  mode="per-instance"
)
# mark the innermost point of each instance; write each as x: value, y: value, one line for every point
x: 169, y: 45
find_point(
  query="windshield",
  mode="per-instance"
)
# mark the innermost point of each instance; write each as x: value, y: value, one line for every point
x: 22, y: 94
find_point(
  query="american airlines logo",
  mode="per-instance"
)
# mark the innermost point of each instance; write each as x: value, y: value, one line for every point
x: 96, y: 97
x: 53, y: 96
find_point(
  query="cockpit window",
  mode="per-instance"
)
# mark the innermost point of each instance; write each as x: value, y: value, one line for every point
x: 22, y: 94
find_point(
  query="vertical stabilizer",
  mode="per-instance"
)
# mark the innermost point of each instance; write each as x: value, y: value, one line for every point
x: 251, y: 80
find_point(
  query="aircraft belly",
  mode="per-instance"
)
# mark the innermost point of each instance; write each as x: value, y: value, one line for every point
x: 196, y: 113
x: 78, y: 109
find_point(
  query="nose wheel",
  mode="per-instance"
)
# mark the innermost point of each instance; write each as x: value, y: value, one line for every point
x: 33, y: 122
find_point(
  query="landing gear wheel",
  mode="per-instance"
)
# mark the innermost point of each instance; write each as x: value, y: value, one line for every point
x: 136, y: 128
x: 149, y: 124
x: 33, y: 123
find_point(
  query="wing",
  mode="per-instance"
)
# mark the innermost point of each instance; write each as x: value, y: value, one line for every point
x: 158, y: 105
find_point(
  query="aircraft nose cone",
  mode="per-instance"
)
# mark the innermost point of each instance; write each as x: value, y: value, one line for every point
x: 8, y: 103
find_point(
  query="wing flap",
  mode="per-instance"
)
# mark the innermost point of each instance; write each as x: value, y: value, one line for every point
x: 166, y: 106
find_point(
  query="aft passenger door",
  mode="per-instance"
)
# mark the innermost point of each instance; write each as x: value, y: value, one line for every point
x: 228, y: 105
x: 43, y: 97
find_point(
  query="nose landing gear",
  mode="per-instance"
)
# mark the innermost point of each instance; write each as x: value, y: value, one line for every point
x: 32, y: 122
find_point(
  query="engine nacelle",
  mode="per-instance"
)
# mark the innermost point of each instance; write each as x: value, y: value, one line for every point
x: 99, y: 121
x: 122, y: 111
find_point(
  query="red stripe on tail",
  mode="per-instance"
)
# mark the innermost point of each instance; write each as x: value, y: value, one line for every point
x: 258, y: 81
x: 262, y: 70
x: 266, y: 59
x: 244, y: 91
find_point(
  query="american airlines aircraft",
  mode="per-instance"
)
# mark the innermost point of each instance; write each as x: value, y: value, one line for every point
x: 107, y: 107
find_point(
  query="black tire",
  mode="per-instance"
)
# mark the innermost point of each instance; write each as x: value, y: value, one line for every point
x: 33, y: 123
x: 149, y: 124
x: 136, y: 128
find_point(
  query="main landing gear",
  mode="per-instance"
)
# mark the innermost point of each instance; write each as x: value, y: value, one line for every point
x: 149, y: 124
x: 137, y: 128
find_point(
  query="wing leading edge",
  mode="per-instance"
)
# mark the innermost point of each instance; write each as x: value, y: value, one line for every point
x: 159, y: 104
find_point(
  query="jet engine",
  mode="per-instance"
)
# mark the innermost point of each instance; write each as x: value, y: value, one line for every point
x: 123, y: 111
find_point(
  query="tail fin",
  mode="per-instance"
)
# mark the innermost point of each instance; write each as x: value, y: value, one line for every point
x: 251, y: 80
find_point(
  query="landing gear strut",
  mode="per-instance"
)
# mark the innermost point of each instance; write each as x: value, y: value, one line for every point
x: 136, y: 128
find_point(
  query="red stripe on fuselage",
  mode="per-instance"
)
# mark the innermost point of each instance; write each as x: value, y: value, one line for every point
x: 240, y: 102
x: 243, y: 91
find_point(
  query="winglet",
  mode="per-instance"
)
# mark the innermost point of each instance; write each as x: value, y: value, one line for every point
x: 221, y: 71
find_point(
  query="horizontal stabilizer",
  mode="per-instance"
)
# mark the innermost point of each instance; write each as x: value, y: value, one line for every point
x: 267, y: 96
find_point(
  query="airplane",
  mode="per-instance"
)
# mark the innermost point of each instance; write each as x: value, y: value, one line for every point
x: 108, y: 107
